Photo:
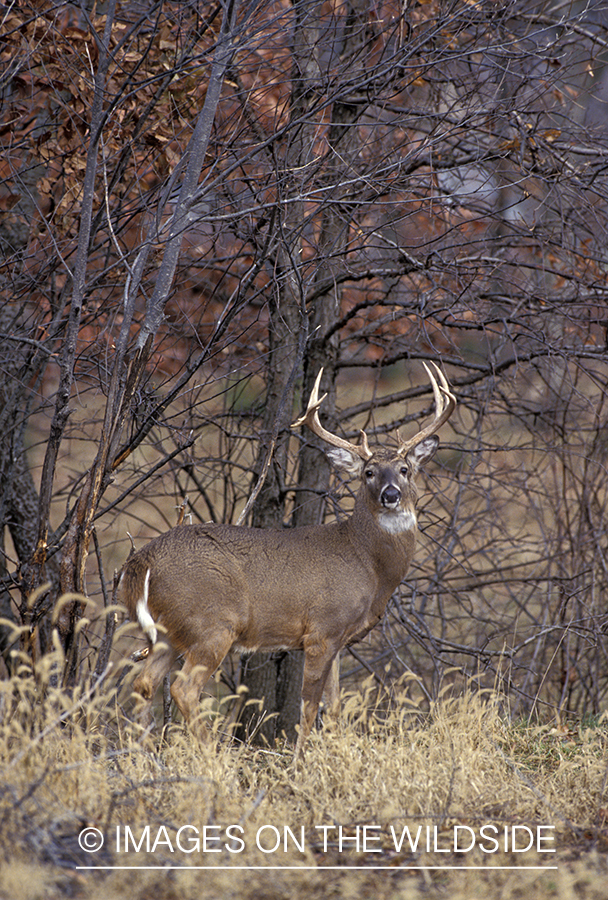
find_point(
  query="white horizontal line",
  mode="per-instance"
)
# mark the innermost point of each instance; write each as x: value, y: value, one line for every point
x: 317, y: 868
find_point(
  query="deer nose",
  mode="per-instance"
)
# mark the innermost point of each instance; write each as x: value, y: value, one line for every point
x: 390, y: 496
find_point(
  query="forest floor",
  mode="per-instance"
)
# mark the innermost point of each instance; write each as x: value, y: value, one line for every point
x: 458, y: 802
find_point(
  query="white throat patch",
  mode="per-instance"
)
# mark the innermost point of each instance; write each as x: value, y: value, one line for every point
x: 398, y: 521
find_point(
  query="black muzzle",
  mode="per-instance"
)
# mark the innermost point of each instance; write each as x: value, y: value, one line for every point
x: 390, y: 496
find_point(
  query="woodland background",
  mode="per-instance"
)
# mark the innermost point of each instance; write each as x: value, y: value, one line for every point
x: 202, y: 204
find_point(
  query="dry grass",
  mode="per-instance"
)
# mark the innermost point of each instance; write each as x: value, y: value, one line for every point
x: 72, y: 763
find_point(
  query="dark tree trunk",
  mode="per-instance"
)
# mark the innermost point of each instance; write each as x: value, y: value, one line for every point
x: 277, y: 678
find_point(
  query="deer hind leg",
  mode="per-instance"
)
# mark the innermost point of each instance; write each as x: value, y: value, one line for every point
x: 159, y: 662
x: 201, y: 661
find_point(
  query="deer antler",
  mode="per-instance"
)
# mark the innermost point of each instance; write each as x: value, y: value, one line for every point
x: 311, y: 418
x: 445, y: 401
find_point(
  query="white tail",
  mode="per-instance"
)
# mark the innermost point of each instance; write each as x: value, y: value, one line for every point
x: 216, y: 588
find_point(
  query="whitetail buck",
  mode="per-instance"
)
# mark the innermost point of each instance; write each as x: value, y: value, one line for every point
x: 214, y: 588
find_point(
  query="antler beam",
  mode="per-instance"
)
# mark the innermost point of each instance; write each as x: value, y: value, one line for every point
x: 445, y: 402
x: 311, y: 418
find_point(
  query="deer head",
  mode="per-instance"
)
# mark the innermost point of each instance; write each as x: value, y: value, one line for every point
x: 388, y: 487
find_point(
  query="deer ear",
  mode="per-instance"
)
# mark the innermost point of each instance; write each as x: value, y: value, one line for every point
x: 423, y: 452
x: 345, y: 460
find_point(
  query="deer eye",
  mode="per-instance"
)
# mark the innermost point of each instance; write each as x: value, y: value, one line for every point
x: 404, y: 471
x: 369, y: 473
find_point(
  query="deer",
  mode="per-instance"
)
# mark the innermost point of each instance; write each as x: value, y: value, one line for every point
x: 209, y: 589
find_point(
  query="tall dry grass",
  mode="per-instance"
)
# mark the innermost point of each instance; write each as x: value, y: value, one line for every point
x: 74, y: 762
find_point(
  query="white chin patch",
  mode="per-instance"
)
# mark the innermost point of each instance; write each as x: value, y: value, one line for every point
x: 398, y: 521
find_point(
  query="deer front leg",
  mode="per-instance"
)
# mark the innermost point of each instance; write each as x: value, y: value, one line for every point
x: 317, y: 667
x: 331, y: 694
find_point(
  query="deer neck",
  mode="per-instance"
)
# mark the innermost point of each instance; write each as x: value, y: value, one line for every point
x: 389, y: 537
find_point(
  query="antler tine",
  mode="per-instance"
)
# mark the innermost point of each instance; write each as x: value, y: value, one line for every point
x: 445, y: 402
x: 311, y: 418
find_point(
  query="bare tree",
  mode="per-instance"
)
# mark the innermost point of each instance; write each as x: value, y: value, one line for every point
x: 206, y: 203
